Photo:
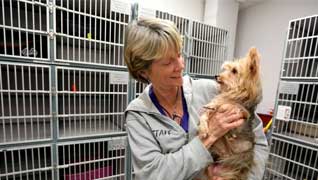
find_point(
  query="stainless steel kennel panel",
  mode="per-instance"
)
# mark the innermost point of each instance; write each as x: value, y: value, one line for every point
x: 90, y: 102
x: 25, y: 102
x: 300, y: 59
x: 183, y: 25
x: 91, y: 31
x: 26, y: 162
x: 208, y: 48
x: 96, y: 159
x: 301, y: 100
x: 289, y: 160
x: 294, y: 136
x: 24, y: 29
x: 181, y: 22
x: 139, y: 87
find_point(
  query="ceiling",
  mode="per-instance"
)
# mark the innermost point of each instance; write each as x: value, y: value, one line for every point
x: 247, y: 3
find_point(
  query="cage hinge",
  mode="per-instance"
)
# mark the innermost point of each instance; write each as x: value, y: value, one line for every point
x: 54, y: 115
x: 3, y: 150
x: 53, y: 91
x: 51, y: 34
x: 54, y: 166
x: 51, y: 6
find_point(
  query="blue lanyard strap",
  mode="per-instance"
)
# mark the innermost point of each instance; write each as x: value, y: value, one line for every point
x: 155, y: 101
x: 185, y: 118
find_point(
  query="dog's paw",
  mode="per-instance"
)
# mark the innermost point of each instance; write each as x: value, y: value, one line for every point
x: 203, y: 129
x: 203, y: 135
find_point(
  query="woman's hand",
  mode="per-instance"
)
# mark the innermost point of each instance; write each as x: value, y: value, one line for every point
x: 227, y: 117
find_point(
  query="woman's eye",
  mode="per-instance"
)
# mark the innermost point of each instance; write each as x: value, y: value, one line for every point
x: 167, y: 63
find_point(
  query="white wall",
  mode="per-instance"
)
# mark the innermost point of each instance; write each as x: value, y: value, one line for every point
x: 211, y: 12
x: 192, y: 9
x: 264, y: 25
x: 223, y: 14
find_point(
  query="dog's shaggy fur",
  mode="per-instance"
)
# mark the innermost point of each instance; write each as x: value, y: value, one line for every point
x: 240, y: 87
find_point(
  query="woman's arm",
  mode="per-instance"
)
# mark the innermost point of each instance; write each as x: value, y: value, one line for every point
x: 261, y: 151
x: 149, y: 161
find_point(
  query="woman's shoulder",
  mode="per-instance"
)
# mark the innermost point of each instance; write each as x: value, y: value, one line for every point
x: 201, y: 85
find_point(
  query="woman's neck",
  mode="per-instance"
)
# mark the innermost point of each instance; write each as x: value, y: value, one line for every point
x: 167, y: 96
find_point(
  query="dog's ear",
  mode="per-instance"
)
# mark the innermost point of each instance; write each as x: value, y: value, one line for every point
x: 253, y: 60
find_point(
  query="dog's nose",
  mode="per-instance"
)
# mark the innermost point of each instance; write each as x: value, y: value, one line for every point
x: 216, y: 77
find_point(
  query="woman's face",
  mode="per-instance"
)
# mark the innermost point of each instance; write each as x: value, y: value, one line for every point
x: 166, y: 72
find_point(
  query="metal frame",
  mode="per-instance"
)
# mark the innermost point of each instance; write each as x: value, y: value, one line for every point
x: 61, y: 68
x: 25, y: 102
x: 208, y: 50
x: 47, y: 143
x: 294, y: 136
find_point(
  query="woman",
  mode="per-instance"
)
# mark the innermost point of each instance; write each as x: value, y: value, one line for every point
x: 162, y: 122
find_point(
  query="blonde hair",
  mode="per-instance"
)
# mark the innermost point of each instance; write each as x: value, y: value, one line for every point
x: 147, y: 40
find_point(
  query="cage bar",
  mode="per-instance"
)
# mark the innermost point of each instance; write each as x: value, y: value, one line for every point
x: 295, y: 134
x: 90, y: 102
x: 25, y: 102
x: 26, y: 163
x: 208, y: 49
x: 98, y: 159
x: 90, y: 32
x: 23, y: 29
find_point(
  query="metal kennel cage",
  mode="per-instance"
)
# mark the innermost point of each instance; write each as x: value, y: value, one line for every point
x: 64, y: 85
x: 63, y: 89
x: 294, y: 137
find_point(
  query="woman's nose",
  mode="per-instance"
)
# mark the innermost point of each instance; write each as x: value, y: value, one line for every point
x: 180, y: 63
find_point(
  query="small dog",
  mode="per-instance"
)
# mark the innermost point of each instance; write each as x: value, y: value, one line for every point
x: 239, y: 87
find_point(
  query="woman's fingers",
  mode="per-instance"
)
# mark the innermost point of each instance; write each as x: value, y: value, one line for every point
x: 221, y: 122
x: 235, y: 124
x: 225, y: 120
x: 232, y: 117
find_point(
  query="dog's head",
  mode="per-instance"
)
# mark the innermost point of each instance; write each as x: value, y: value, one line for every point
x: 242, y: 76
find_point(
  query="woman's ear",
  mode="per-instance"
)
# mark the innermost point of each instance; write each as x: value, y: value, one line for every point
x: 144, y: 75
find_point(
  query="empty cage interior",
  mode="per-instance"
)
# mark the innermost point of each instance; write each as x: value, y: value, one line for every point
x: 90, y: 101
x: 23, y: 29
x: 302, y: 49
x: 291, y: 161
x: 208, y: 50
x: 302, y: 123
x: 24, y: 102
x: 26, y: 163
x: 90, y: 32
x: 92, y: 160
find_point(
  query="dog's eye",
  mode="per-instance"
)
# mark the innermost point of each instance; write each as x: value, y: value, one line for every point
x: 234, y: 70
